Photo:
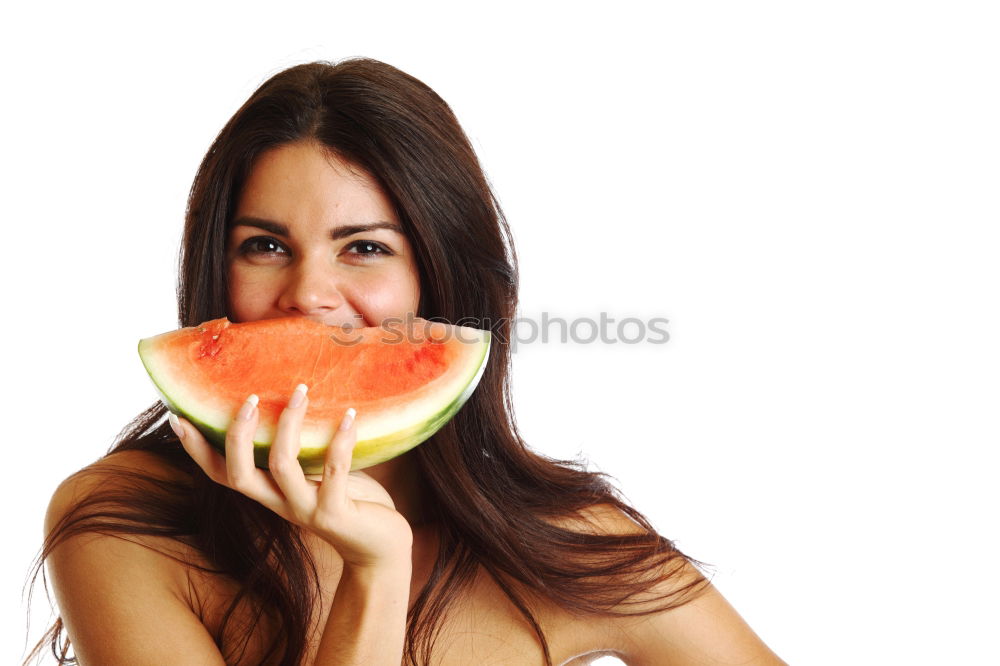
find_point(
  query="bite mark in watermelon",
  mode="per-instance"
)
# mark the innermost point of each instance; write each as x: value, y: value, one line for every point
x: 405, y: 381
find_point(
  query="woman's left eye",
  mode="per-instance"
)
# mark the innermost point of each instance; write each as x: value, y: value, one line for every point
x: 367, y: 248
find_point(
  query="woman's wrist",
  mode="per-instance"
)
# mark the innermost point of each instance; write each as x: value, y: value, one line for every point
x: 367, y: 622
x: 383, y: 572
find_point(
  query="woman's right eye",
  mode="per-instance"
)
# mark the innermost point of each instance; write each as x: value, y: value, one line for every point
x: 261, y: 245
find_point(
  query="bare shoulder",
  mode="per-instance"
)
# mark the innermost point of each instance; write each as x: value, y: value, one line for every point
x: 123, y: 597
x: 106, y: 474
x: 678, y: 575
x: 601, y: 518
x: 94, y: 497
x: 704, y: 630
x: 697, y: 625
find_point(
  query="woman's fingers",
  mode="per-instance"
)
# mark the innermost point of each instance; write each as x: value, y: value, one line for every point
x: 213, y: 464
x: 284, y: 488
x: 240, y: 468
x: 283, y: 460
x: 351, y: 511
x: 230, y: 470
x: 337, y: 465
x: 363, y: 488
x: 242, y: 474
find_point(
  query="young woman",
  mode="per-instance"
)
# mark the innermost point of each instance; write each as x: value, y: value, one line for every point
x: 348, y: 193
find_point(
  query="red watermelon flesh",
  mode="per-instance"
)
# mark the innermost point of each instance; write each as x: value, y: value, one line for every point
x: 405, y: 381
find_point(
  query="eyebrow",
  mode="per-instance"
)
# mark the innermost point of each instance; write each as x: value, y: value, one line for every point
x: 336, y: 233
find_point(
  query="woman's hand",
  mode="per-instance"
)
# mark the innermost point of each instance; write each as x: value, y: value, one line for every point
x: 350, y: 510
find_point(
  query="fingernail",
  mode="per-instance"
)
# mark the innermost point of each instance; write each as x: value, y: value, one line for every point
x: 348, y: 419
x: 246, y: 411
x: 175, y: 425
x: 298, y: 396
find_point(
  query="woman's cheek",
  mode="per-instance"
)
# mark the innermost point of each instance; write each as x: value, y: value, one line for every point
x: 390, y: 297
x: 247, y: 296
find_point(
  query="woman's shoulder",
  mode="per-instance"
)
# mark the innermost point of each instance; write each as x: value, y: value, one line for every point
x: 601, y: 518
x: 678, y: 615
x: 577, y: 635
x: 138, y: 461
x: 115, y: 473
x: 655, y: 562
x: 122, y: 583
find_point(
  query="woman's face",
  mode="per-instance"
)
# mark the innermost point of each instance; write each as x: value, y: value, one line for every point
x: 314, y: 237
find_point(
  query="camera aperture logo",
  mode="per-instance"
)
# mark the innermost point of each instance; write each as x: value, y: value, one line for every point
x: 546, y: 329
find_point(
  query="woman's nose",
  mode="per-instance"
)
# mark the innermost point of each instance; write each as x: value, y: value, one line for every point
x: 312, y: 289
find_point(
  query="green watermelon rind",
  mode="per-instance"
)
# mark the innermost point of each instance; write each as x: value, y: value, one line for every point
x: 367, y: 452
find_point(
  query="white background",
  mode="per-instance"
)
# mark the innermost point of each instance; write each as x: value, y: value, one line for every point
x: 807, y: 191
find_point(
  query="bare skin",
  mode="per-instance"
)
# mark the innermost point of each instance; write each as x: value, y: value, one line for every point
x: 314, y: 237
x: 124, y: 603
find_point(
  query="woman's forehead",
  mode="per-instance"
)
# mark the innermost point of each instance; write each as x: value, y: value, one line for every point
x: 304, y: 181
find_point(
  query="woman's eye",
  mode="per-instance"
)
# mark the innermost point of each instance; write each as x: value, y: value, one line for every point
x: 261, y: 245
x: 366, y: 248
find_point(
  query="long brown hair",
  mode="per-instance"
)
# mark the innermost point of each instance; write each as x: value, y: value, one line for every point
x: 495, y: 501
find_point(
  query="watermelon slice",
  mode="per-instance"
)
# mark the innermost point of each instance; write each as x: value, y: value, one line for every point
x: 405, y: 381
